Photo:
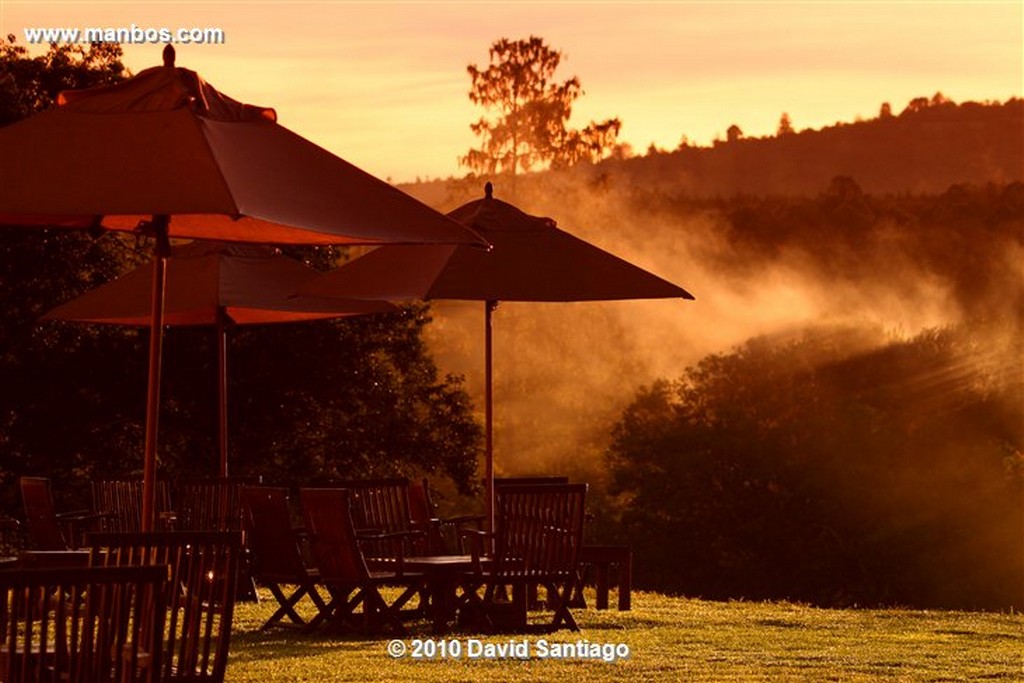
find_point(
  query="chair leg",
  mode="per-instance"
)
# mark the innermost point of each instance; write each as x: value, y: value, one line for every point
x: 379, y: 615
x: 287, y: 605
x: 339, y: 607
x: 561, y: 601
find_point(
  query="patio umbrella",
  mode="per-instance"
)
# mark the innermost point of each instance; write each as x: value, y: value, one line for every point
x: 166, y: 154
x: 530, y: 259
x: 217, y: 285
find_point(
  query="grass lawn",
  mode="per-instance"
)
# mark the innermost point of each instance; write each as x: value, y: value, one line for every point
x: 669, y: 639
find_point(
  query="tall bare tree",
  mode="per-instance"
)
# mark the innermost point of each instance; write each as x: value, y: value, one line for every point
x: 525, y: 127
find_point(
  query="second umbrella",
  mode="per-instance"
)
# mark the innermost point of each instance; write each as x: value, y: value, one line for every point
x: 530, y: 259
x: 215, y: 285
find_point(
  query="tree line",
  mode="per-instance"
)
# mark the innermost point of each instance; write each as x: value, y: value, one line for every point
x: 833, y: 467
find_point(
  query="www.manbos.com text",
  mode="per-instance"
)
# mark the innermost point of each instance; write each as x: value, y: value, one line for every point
x: 128, y: 35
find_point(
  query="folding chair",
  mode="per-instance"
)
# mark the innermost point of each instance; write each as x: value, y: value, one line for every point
x: 343, y: 569
x: 201, y: 601
x: 538, y: 533
x: 277, y: 552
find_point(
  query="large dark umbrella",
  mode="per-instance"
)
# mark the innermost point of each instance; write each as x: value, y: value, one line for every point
x: 530, y: 259
x: 215, y: 285
x: 167, y: 155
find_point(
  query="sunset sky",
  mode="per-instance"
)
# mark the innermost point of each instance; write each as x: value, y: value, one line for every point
x: 384, y: 84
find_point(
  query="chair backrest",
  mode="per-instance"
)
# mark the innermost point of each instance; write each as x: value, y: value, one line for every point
x: 423, y: 516
x: 122, y: 498
x: 41, y: 515
x: 421, y: 507
x: 211, y: 503
x: 84, y: 625
x: 276, y: 552
x: 332, y: 535
x: 380, y: 504
x: 539, y: 528
x: 204, y: 574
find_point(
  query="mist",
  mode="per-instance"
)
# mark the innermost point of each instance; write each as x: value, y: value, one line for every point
x: 563, y: 372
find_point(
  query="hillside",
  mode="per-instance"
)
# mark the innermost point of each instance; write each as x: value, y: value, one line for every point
x: 929, y: 146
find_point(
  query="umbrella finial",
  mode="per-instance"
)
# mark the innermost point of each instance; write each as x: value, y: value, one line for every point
x: 169, y: 55
x: 488, y: 190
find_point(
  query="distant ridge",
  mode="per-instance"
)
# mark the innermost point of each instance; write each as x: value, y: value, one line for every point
x: 931, y: 145
x: 925, y: 149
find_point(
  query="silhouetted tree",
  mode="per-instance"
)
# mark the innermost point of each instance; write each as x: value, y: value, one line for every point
x: 734, y: 133
x: 530, y: 112
x: 915, y: 105
x: 785, y: 125
x: 886, y: 111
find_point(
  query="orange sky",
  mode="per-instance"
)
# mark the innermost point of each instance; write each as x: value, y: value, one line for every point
x: 383, y: 84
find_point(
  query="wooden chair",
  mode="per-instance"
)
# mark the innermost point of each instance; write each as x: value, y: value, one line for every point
x: 277, y: 552
x: 211, y: 503
x: 122, y: 500
x: 204, y: 571
x: 82, y: 625
x: 381, y: 506
x: 343, y: 569
x: 443, y: 535
x: 215, y: 504
x: 538, y: 534
x: 48, y: 529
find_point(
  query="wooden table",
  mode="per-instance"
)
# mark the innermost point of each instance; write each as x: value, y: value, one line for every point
x: 442, y: 573
x: 601, y: 558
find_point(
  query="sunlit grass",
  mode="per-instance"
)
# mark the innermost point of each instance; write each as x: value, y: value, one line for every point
x: 671, y: 639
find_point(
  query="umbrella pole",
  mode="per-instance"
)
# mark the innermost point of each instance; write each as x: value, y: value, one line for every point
x: 156, y: 337
x: 489, y: 307
x: 222, y: 389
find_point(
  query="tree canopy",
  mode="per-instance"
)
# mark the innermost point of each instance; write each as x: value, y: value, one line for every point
x: 529, y: 111
x: 31, y: 84
x: 833, y: 467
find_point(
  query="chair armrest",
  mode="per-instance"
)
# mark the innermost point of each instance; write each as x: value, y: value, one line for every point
x: 459, y: 520
x: 477, y: 540
x: 424, y: 525
x: 397, y: 539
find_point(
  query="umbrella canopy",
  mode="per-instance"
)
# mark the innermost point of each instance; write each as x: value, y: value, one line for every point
x: 215, y: 285
x: 167, y: 143
x: 530, y: 259
x: 210, y: 282
x: 166, y: 154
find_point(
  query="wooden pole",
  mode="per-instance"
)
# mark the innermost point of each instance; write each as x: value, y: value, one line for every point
x: 161, y: 252
x: 222, y: 390
x: 489, y: 307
